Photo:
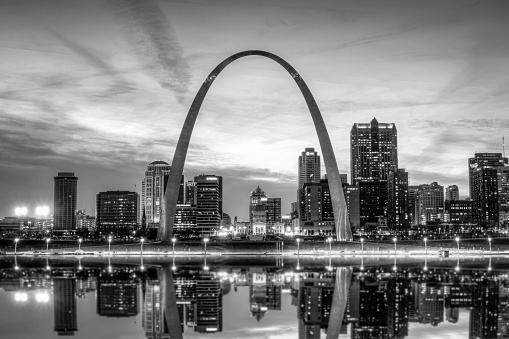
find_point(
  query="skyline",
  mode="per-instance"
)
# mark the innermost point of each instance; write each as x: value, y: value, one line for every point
x: 102, y: 89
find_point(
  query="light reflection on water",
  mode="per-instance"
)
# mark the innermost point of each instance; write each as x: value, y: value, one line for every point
x: 253, y: 298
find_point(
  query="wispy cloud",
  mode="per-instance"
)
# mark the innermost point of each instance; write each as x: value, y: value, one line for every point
x: 155, y: 42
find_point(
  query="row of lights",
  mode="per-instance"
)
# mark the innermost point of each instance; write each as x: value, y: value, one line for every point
x: 40, y: 211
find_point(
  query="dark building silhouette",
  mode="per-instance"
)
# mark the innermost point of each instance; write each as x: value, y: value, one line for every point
x: 66, y: 190
x: 397, y: 307
x: 372, y: 201
x: 484, y: 313
x: 373, y: 155
x: 117, y: 212
x: 374, y: 150
x: 317, y: 216
x: 209, y: 305
x: 459, y: 211
x: 209, y: 206
x: 66, y: 318
x: 485, y: 195
x: 430, y: 303
x: 117, y: 297
x: 397, y: 201
x: 483, y: 160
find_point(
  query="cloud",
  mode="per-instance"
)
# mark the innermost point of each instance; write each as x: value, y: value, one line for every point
x: 155, y: 42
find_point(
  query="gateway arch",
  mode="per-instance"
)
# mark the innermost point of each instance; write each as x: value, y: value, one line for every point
x: 342, y: 225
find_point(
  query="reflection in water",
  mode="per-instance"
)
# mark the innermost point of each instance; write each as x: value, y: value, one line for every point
x: 372, y: 302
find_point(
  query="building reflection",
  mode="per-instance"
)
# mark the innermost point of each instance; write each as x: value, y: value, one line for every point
x: 171, y: 302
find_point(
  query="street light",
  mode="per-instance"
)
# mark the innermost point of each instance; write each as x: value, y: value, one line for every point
x: 16, y: 245
x: 489, y: 241
x: 205, y: 241
x: 79, y: 243
x: 362, y: 246
x: 458, y: 242
x: 47, y: 244
x: 329, y: 239
x: 298, y: 247
x: 173, y: 241
x: 141, y: 246
x: 109, y: 245
x: 395, y: 246
x: 426, y: 245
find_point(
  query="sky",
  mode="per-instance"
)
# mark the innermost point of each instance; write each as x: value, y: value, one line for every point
x: 102, y: 88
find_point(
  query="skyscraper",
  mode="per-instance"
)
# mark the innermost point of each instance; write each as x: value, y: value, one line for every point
x: 309, y: 167
x: 481, y: 160
x: 117, y: 211
x: 397, y: 204
x: 66, y: 190
x: 374, y: 150
x: 485, y: 195
x: 152, y: 190
x: 209, y: 206
x: 373, y: 155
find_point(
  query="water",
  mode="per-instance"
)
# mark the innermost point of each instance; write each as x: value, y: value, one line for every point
x: 253, y: 297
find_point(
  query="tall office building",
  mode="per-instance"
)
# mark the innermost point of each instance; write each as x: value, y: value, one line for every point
x: 317, y: 216
x: 273, y: 210
x: 429, y: 203
x: 117, y: 211
x: 503, y: 195
x: 309, y: 167
x: 66, y: 190
x: 152, y: 190
x: 66, y: 318
x: 374, y: 150
x: 209, y: 206
x: 412, y: 193
x: 452, y: 193
x: 190, y: 193
x: 373, y: 155
x: 485, y: 195
x: 397, y: 201
x: 482, y: 160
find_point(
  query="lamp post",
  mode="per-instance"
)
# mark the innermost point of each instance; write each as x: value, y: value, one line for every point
x: 362, y: 246
x: 489, y: 241
x: 173, y: 241
x: 426, y: 245
x: 329, y: 239
x: 395, y: 246
x: 47, y: 244
x: 206, y: 240
x: 79, y: 243
x: 16, y: 246
x: 141, y: 246
x: 109, y: 245
x: 298, y: 247
x: 458, y: 243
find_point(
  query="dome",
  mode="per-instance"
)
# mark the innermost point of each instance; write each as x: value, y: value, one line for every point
x: 159, y: 162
